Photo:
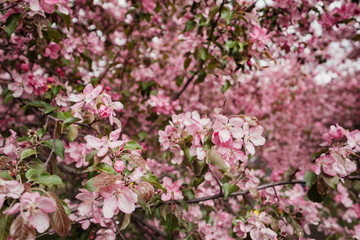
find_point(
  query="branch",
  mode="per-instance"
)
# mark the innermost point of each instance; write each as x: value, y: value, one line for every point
x: 53, y: 145
x: 152, y: 228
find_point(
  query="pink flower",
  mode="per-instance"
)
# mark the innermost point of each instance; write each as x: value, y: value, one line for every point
x: 258, y: 34
x: 225, y: 128
x: 35, y: 209
x: 119, y: 166
x: 353, y: 140
x: 42, y: 5
x: 20, y: 85
x: 109, y: 108
x: 253, y: 137
x: 241, y: 229
x: 105, y: 234
x: 335, y: 132
x: 87, y: 97
x: 172, y: 189
x: 52, y: 50
x: 11, y: 189
x: 9, y: 148
x: 89, y: 206
x: 118, y: 196
x: 104, y: 143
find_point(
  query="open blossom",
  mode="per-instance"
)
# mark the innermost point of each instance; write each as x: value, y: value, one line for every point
x: 20, y: 85
x: 118, y: 196
x: 109, y: 107
x: 162, y: 104
x: 105, y: 143
x: 225, y: 128
x: 11, y: 189
x: 259, y: 34
x: 253, y: 137
x: 10, y: 144
x: 335, y: 132
x: 172, y: 189
x: 87, y: 97
x: 52, y: 51
x: 353, y: 140
x: 89, y: 205
x: 35, y: 209
x: 105, y: 234
x: 241, y: 229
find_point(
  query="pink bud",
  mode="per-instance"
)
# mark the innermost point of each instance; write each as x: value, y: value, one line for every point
x: 249, y: 63
x: 119, y: 166
x: 50, y: 80
x: 25, y: 67
x: 108, y: 88
x: 58, y: 70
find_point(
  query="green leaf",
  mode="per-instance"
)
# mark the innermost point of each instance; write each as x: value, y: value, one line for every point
x: 151, y: 178
x: 72, y: 132
x: 317, y: 192
x: 187, y: 63
x: 66, y: 18
x: 171, y: 223
x: 310, y: 178
x: 54, y: 35
x: 212, y: 13
x: 90, y: 155
x: 5, y: 175
x: 184, y: 204
x: 5, y: 223
x: 40, y: 104
x: 229, y: 189
x: 103, y: 167
x: 203, y: 54
x: 31, y: 174
x: 132, y: 145
x: 8, y: 97
x: 189, y: 25
x: 230, y: 44
x: 27, y: 153
x: 66, y: 207
x: 12, y: 22
x: 331, y: 181
x: 59, y: 147
x: 201, y: 77
x: 89, y: 185
x: 64, y: 115
x: 227, y: 15
x: 226, y: 86
x: 68, y: 122
x: 48, y: 180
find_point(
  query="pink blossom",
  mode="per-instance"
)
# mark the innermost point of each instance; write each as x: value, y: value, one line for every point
x: 10, y: 144
x: 20, y: 85
x: 35, y: 209
x: 118, y: 196
x: 225, y: 128
x: 119, y: 166
x: 335, y: 132
x: 172, y: 189
x: 52, y: 51
x: 89, y: 205
x: 11, y: 189
x: 105, y: 143
x: 109, y: 108
x: 253, y: 137
x: 353, y: 140
x: 259, y: 34
x: 105, y: 234
x: 241, y: 229
x: 87, y: 97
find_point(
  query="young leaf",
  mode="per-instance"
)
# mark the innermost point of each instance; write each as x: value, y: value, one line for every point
x: 229, y: 189
x: 4, y: 160
x: 5, y: 223
x: 12, y: 22
x: 189, y: 25
x: 49, y: 180
x: 59, y: 147
x: 125, y: 222
x: 138, y: 160
x: 150, y: 178
x: 68, y: 122
x: 310, y: 178
x: 103, y: 167
x: 20, y: 230
x: 59, y: 219
x: 90, y: 155
x: 27, y: 153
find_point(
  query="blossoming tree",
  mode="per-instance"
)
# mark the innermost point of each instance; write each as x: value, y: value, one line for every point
x: 194, y: 119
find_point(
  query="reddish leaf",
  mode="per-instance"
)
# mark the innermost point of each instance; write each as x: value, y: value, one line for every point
x: 138, y: 160
x: 146, y: 191
x: 4, y: 160
x: 21, y: 230
x: 104, y: 180
x: 59, y: 219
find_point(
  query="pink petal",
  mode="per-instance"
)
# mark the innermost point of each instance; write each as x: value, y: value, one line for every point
x: 237, y: 132
x: 103, y: 151
x: 224, y: 136
x: 109, y: 207
x: 46, y: 204
x: 40, y: 221
x: 250, y: 147
x: 93, y: 142
x: 258, y: 140
x: 114, y: 135
x: 126, y: 201
x: 14, y: 209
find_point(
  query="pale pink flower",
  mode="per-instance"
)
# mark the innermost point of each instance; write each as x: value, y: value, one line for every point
x: 225, y: 128
x: 286, y: 228
x: 42, y: 5
x: 35, y: 209
x: 353, y: 140
x: 52, y: 50
x: 253, y: 137
x: 87, y: 97
x: 105, y: 234
x: 119, y: 166
x: 89, y: 205
x: 109, y: 108
x: 20, y: 85
x: 11, y: 189
x: 241, y: 229
x: 357, y: 232
x: 105, y: 143
x: 335, y: 132
x: 10, y: 144
x: 118, y: 196
x: 343, y: 196
x: 172, y: 189
x: 258, y: 34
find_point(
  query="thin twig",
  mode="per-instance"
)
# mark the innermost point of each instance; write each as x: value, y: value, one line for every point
x: 217, y: 180
x: 276, y: 194
x: 53, y: 144
x: 156, y: 231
